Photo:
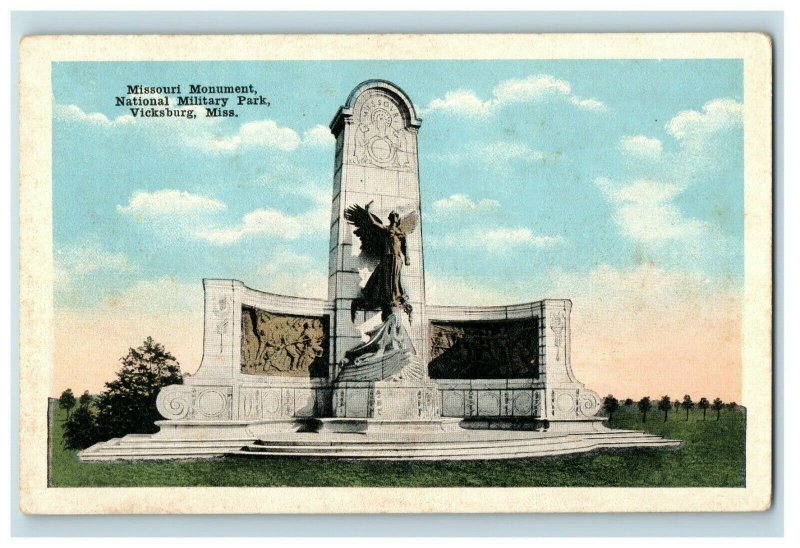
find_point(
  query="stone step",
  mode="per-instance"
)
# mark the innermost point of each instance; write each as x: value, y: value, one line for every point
x: 125, y: 457
x: 461, y: 445
x: 472, y: 441
x: 453, y: 446
x: 146, y: 448
x: 120, y: 451
x: 461, y: 454
x: 462, y: 448
x: 333, y: 444
x: 184, y: 443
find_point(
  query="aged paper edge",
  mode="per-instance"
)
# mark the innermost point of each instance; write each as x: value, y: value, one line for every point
x: 36, y: 272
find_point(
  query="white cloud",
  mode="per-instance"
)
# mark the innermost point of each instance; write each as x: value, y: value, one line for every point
x: 169, y: 202
x: 645, y: 211
x: 534, y: 88
x: 462, y: 102
x: 259, y: 222
x: 588, y: 104
x: 706, y: 137
x: 263, y: 133
x: 318, y: 136
x: 642, y: 146
x: 499, y: 239
x: 461, y: 203
x: 73, y: 113
x: 268, y: 222
x: 178, y: 213
x: 172, y: 214
x: 716, y: 115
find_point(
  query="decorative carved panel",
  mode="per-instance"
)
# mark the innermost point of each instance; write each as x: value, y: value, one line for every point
x: 453, y: 403
x: 381, y: 137
x: 203, y: 402
x: 283, y: 344
x: 505, y: 349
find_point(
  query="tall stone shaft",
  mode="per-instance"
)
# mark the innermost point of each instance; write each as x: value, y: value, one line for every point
x: 375, y: 162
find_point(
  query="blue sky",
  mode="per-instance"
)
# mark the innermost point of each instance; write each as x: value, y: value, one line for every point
x: 532, y: 173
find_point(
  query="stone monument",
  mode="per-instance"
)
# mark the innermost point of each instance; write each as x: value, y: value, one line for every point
x: 374, y: 371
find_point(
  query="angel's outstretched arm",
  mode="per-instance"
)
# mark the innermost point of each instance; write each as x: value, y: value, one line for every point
x: 376, y: 222
x: 372, y: 217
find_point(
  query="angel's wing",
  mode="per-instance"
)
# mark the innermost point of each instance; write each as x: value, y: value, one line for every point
x: 409, y: 223
x: 368, y: 228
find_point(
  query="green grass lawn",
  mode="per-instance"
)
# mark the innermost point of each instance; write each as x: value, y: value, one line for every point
x: 712, y: 456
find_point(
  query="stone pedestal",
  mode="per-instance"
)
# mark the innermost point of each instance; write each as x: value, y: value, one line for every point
x: 387, y: 392
x: 387, y: 400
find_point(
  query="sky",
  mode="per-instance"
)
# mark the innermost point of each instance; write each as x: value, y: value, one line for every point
x: 617, y: 184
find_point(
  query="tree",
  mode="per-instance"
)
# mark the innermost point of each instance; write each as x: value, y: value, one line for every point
x: 628, y: 402
x: 676, y: 403
x: 85, y: 398
x: 717, y: 406
x: 687, y: 404
x: 665, y: 404
x: 80, y: 430
x: 732, y: 405
x: 704, y: 405
x: 610, y: 404
x: 128, y: 405
x: 644, y: 406
x: 67, y: 400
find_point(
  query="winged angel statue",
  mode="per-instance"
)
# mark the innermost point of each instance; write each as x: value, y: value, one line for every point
x: 387, y: 244
x: 389, y: 350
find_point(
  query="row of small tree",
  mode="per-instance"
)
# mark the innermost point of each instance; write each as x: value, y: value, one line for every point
x: 666, y: 404
x: 128, y: 403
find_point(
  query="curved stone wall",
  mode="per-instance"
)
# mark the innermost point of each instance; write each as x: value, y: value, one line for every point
x: 225, y: 388
x: 550, y: 391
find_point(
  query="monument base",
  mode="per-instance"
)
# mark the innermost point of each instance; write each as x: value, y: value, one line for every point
x: 370, y: 439
x: 387, y: 400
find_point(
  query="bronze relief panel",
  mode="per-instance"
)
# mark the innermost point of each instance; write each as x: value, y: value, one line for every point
x: 284, y: 344
x: 505, y: 349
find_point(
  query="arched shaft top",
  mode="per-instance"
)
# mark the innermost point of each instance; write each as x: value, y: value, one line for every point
x: 403, y: 101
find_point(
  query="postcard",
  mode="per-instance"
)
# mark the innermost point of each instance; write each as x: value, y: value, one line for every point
x: 395, y: 273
